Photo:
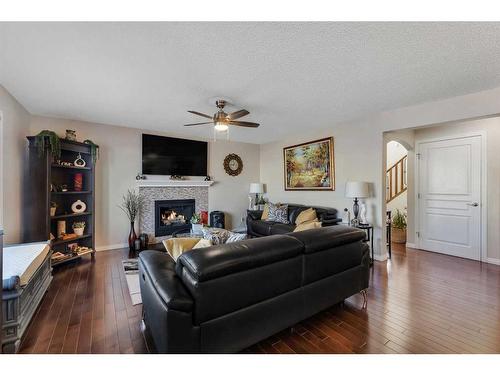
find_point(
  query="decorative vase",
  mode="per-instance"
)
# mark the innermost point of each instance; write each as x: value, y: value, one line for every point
x: 61, y: 228
x: 78, y: 207
x: 398, y: 235
x: 132, y: 237
x: 53, y: 211
x: 78, y: 231
x: 78, y: 181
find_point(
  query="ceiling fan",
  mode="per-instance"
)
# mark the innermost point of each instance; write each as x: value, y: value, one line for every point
x: 221, y: 120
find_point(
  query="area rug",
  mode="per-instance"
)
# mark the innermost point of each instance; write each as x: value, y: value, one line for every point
x: 131, y: 270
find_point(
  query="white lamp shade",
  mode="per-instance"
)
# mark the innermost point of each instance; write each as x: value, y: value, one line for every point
x: 256, y: 188
x: 357, y: 189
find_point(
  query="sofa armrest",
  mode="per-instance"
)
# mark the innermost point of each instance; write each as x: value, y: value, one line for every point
x: 157, y: 271
x: 254, y: 214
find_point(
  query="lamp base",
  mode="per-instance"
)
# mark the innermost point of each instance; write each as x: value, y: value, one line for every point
x: 355, y: 209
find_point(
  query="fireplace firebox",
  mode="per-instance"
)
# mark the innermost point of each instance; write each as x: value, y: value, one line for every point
x: 173, y: 215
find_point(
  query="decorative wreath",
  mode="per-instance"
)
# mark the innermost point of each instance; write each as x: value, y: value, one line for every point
x: 230, y: 167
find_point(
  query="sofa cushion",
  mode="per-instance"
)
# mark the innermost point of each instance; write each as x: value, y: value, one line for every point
x: 261, y: 227
x: 220, y: 260
x: 311, y: 224
x: 217, y: 236
x: 278, y: 213
x: 305, y: 216
x: 202, y: 243
x: 265, y: 212
x: 279, y: 228
x: 328, y: 237
x: 235, y: 237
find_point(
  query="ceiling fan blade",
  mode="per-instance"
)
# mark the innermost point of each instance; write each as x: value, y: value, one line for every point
x: 244, y: 123
x: 200, y: 114
x: 238, y: 114
x: 199, y: 123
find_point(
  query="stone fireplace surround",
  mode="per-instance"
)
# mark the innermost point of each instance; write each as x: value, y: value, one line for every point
x: 153, y: 193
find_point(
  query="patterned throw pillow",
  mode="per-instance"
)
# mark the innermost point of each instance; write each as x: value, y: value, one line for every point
x: 278, y: 213
x: 217, y: 236
x: 235, y: 237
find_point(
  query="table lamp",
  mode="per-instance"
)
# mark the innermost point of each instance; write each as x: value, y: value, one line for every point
x: 256, y: 188
x: 356, y: 189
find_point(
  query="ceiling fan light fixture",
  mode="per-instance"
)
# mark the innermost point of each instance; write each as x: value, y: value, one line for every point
x: 221, y: 127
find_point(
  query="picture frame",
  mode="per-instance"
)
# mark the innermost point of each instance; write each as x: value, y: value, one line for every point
x: 310, y: 166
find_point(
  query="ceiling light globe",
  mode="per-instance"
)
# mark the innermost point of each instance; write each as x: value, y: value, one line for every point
x: 220, y: 127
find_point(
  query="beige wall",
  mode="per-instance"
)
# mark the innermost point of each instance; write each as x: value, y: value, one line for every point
x: 491, y: 127
x: 12, y: 150
x: 120, y: 161
x: 360, y: 152
x: 351, y: 153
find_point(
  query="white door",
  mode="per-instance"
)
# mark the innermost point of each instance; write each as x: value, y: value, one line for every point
x: 450, y: 197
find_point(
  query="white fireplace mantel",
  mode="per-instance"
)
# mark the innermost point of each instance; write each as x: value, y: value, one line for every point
x: 174, y: 183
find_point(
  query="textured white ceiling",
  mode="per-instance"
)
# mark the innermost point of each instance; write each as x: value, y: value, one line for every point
x: 290, y: 76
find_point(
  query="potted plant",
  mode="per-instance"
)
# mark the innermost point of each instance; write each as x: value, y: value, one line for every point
x: 48, y: 140
x: 196, y: 224
x: 131, y: 205
x: 78, y: 227
x: 398, y: 228
x: 53, y: 208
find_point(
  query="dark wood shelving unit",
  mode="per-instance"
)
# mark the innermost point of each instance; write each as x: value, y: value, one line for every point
x: 70, y: 215
x: 71, y: 192
x: 70, y: 167
x: 44, y: 174
x: 74, y: 239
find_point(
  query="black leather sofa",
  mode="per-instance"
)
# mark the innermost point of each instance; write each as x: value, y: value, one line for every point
x: 259, y: 228
x: 224, y: 298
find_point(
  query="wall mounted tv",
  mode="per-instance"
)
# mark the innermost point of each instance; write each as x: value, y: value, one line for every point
x: 173, y: 156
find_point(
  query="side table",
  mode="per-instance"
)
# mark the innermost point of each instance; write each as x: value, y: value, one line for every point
x: 369, y: 238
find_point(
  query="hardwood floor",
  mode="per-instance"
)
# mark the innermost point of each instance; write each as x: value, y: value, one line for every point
x: 419, y: 302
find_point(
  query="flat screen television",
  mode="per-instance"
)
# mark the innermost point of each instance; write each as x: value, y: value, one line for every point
x: 173, y: 156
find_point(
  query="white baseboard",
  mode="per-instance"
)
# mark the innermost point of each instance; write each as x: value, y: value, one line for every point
x: 493, y: 261
x: 111, y: 247
x: 412, y: 245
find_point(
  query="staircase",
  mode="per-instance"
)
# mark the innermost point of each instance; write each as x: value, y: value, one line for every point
x: 395, y: 179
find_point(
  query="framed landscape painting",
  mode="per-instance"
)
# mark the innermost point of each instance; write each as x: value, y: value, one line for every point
x: 310, y: 166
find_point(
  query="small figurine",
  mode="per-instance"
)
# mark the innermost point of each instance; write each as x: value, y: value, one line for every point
x: 362, y: 213
x: 346, y: 217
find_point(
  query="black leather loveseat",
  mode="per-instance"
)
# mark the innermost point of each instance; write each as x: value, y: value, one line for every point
x: 259, y: 228
x: 224, y: 298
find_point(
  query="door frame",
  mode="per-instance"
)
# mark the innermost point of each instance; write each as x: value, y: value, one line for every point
x: 484, y: 187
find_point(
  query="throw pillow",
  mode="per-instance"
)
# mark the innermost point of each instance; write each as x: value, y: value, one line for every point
x: 177, y: 246
x: 265, y: 212
x: 306, y: 215
x: 278, y: 213
x: 308, y: 225
x: 235, y: 237
x: 217, y: 236
x: 202, y: 243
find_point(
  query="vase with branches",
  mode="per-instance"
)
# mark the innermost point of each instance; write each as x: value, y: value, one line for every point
x: 131, y: 205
